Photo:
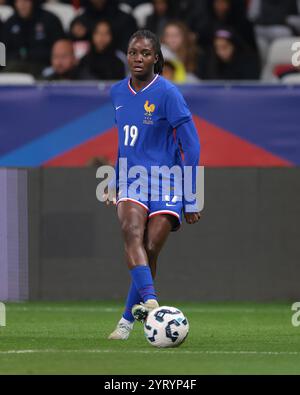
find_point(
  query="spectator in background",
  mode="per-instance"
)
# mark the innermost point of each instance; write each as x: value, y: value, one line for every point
x: 63, y: 62
x: 229, y: 59
x: 169, y: 70
x: 78, y: 31
x: 270, y: 17
x: 272, y: 12
x: 226, y: 13
x: 102, y: 62
x: 123, y: 25
x: 162, y: 12
x: 29, y: 35
x: 180, y: 47
x: 192, y: 12
x: 79, y: 34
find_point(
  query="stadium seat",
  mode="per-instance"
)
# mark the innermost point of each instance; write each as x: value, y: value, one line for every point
x: 280, y: 52
x: 294, y: 22
x: 141, y: 13
x: 291, y: 79
x: 16, y: 79
x: 5, y: 12
x: 65, y: 12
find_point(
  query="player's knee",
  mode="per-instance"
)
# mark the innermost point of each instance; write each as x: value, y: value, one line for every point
x: 131, y: 231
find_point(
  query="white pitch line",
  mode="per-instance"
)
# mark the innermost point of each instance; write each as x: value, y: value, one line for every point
x: 119, y: 309
x: 107, y: 351
x: 64, y: 309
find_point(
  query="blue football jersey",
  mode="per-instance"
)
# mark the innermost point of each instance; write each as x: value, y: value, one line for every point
x: 146, y: 121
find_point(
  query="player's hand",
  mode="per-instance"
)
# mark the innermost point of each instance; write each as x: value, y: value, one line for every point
x: 105, y: 198
x: 192, y: 218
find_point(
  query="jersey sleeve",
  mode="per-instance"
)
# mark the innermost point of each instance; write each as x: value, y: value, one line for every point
x: 188, y: 139
x: 176, y: 109
x: 115, y: 180
x: 112, y: 99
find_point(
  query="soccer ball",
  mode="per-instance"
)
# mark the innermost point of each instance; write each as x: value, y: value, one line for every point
x: 166, y: 327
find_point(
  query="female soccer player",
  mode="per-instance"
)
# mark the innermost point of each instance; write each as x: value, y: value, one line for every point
x: 148, y: 108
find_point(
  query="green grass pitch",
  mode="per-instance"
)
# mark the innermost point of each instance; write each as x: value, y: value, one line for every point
x: 70, y: 338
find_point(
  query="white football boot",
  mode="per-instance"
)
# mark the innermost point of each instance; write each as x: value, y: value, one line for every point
x: 122, y: 330
x: 141, y: 311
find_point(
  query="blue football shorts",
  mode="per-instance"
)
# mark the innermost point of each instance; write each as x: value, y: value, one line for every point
x: 158, y: 205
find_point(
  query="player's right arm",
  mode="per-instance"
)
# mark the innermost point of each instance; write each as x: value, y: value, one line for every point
x: 110, y: 196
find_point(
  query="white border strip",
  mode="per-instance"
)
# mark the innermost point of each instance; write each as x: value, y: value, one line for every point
x: 134, y: 201
x: 152, y: 82
x: 146, y: 87
x: 131, y: 89
x: 165, y: 212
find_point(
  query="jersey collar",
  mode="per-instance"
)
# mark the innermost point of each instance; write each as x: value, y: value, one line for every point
x: 146, y: 87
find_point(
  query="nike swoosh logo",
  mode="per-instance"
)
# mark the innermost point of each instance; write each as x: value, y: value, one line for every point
x: 117, y: 108
x: 170, y: 205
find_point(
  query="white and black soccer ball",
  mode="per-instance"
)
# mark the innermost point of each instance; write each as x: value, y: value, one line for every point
x: 166, y: 327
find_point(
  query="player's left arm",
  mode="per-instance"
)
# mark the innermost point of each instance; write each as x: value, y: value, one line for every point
x: 180, y: 117
x: 188, y: 138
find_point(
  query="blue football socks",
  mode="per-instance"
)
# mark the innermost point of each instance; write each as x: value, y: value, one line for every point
x: 143, y: 281
x: 141, y: 289
x: 132, y: 299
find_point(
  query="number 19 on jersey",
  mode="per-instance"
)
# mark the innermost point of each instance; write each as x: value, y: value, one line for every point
x: 131, y: 135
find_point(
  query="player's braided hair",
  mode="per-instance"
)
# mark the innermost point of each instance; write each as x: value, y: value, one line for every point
x: 158, y: 67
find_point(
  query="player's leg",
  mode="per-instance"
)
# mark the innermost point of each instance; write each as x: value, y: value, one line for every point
x: 164, y: 217
x: 133, y: 218
x: 156, y: 235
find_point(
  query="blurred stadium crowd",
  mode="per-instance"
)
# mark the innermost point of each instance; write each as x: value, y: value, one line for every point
x: 202, y: 39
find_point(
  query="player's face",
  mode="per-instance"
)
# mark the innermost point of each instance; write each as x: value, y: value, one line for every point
x: 141, y: 58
